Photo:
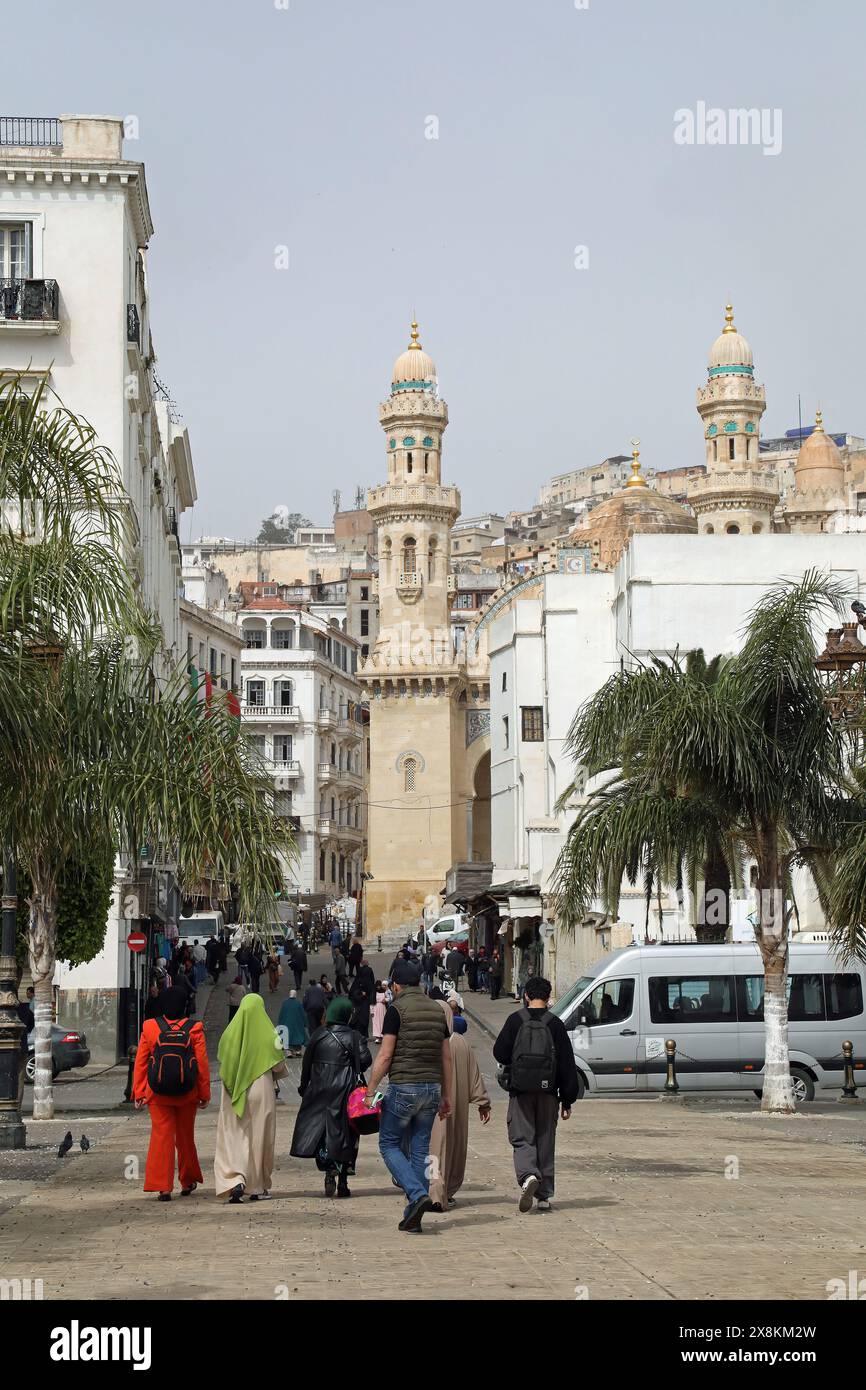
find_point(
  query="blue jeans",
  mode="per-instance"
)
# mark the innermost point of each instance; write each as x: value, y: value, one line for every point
x: 408, y: 1113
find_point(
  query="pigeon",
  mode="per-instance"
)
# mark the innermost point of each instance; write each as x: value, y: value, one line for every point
x: 85, y: 1143
x: 66, y: 1145
x: 859, y: 611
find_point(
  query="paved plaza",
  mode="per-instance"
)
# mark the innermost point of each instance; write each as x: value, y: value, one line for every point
x: 701, y: 1199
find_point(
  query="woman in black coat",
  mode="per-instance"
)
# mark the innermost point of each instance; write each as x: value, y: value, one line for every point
x: 334, y: 1058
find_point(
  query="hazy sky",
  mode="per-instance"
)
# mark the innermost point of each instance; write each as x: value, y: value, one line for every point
x: 305, y: 127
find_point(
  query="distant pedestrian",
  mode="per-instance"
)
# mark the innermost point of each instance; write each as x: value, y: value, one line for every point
x: 199, y: 962
x: 455, y: 962
x: 250, y: 1061
x: 483, y: 968
x: 274, y: 972
x: 242, y: 958
x: 356, y: 954
x: 172, y: 1079
x: 256, y: 968
x: 298, y: 963
x: 362, y: 993
x: 543, y: 1084
x: 472, y: 972
x: 335, y: 941
x: 415, y: 1055
x: 236, y: 992
x: 335, y: 1057
x: 292, y: 1024
x: 341, y: 972
x: 212, y: 958
x: 314, y: 1005
x: 378, y: 1014
x: 495, y: 973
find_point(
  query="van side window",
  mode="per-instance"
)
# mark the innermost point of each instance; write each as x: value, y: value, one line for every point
x: 680, y: 999
x: 844, y: 996
x: 805, y: 997
x: 611, y: 1002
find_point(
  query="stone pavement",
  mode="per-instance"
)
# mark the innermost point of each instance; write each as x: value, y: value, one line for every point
x: 643, y: 1210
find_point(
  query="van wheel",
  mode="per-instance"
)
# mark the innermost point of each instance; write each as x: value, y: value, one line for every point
x: 804, y: 1086
x: 759, y: 1094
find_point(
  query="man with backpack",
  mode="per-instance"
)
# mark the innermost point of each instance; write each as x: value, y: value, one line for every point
x: 542, y: 1082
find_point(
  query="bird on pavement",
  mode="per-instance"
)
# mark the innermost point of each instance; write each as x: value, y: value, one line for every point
x: 66, y: 1145
x: 85, y: 1143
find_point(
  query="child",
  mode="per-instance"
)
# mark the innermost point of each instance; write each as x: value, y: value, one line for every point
x: 379, y: 1011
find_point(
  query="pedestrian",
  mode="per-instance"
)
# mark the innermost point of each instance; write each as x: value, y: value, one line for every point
x: 212, y: 958
x: 454, y: 964
x: 222, y: 956
x: 172, y: 1079
x: 199, y: 962
x: 292, y: 1025
x: 255, y: 967
x: 334, y: 1062
x: 472, y: 972
x: 449, y: 1140
x: 356, y: 954
x: 314, y: 1006
x: 341, y: 972
x: 236, y: 992
x: 483, y: 967
x: 362, y: 993
x: 415, y: 1055
x: 378, y: 1014
x: 250, y: 1061
x: 298, y: 962
x: 184, y: 980
x: 428, y: 965
x: 496, y: 971
x: 242, y: 959
x: 335, y: 941
x: 543, y: 1084
x: 274, y: 972
x: 153, y: 1004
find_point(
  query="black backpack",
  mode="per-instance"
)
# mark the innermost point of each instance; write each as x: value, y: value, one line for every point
x: 172, y: 1069
x: 533, y: 1057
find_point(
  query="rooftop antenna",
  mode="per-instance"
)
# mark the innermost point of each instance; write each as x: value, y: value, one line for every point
x: 335, y: 498
x: 360, y: 499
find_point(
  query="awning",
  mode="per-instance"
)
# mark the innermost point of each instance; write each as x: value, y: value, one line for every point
x: 525, y: 906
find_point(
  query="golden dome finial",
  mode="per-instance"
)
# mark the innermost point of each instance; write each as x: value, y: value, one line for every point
x: 636, y: 480
x: 819, y: 422
x: 414, y: 343
x: 729, y: 319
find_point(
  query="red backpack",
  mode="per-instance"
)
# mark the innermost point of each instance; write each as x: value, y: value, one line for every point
x: 172, y: 1069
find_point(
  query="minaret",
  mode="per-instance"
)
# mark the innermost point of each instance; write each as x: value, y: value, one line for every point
x: 737, y: 495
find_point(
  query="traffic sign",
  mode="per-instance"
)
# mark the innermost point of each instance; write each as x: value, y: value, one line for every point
x: 136, y: 941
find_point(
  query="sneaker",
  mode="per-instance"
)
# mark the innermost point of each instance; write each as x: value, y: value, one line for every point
x: 528, y: 1189
x: 412, y: 1220
x: 543, y: 1204
x: 260, y: 1196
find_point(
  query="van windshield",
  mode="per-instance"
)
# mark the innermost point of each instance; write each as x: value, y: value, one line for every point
x: 564, y: 1004
x: 201, y: 927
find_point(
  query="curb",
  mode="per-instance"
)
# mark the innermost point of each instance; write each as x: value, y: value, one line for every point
x: 482, y: 1022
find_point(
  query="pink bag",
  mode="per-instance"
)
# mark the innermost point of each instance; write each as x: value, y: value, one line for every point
x: 363, y: 1118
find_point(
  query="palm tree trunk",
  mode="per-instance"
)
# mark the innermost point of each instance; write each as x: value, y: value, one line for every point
x: 778, y: 1093
x: 42, y: 946
x: 714, y: 919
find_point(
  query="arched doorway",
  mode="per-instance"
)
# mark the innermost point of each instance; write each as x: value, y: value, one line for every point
x: 480, y: 846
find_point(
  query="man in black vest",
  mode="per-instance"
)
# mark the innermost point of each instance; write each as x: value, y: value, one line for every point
x: 543, y: 1088
x: 416, y: 1057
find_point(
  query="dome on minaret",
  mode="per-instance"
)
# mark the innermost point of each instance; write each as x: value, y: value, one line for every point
x: 819, y: 462
x: 731, y: 352
x: 414, y: 369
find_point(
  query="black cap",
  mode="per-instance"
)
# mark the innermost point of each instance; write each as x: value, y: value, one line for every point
x: 406, y: 972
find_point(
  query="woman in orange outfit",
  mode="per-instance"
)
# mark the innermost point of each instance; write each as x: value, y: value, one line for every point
x: 172, y: 1116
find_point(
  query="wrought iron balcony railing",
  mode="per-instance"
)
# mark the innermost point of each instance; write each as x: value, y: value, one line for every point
x: 30, y: 131
x: 28, y: 300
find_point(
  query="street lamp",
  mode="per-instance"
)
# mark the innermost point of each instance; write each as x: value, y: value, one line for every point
x: 842, y: 667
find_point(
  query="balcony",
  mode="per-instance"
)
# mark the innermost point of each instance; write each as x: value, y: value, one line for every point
x: 326, y: 827
x: 409, y: 579
x: 327, y: 719
x: 286, y: 767
x: 29, y: 306
x: 290, y: 713
x: 328, y: 772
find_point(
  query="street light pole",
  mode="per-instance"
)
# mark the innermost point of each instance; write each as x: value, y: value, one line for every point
x: 12, y: 1132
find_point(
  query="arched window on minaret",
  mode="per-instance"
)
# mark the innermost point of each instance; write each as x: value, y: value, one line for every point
x: 731, y: 446
x: 431, y: 558
x: 715, y: 451
x: 410, y: 767
x: 409, y: 463
x: 409, y: 555
x: 426, y: 462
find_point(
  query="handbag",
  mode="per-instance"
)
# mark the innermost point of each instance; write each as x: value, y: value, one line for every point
x: 363, y: 1118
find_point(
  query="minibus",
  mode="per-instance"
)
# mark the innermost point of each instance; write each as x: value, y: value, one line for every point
x: 710, y: 1000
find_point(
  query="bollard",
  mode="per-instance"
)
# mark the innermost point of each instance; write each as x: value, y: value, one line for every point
x: 671, y: 1084
x: 127, y: 1095
x: 849, y: 1090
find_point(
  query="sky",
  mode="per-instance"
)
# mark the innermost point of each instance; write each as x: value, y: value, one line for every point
x: 320, y: 170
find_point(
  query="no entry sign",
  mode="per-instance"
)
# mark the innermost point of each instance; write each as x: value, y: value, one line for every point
x: 136, y: 941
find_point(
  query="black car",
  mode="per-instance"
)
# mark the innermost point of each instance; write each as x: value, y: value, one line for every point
x: 68, y: 1049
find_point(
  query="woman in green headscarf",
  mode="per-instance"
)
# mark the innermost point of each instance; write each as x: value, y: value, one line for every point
x: 335, y: 1057
x: 250, y: 1060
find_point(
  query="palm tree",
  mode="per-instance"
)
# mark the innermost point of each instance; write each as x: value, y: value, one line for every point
x: 745, y: 767
x: 92, y: 749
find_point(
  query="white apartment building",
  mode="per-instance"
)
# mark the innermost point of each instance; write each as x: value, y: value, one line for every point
x: 74, y: 311
x: 301, y: 707
x: 554, y: 639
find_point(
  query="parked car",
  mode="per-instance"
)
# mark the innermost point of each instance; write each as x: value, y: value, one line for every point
x: 68, y: 1049
x: 710, y: 1000
x: 448, y: 932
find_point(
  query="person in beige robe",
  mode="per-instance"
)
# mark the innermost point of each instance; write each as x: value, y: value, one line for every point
x: 449, y: 1141
x: 244, y: 1157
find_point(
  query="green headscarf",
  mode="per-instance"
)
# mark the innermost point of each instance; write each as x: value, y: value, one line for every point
x: 248, y: 1048
x: 340, y: 1010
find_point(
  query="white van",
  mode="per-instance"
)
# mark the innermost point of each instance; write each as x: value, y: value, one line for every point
x: 199, y: 926
x: 710, y: 1000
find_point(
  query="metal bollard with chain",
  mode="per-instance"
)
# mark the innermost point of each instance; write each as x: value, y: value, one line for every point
x: 849, y: 1090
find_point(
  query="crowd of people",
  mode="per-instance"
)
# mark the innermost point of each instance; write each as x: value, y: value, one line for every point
x: 433, y: 1079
